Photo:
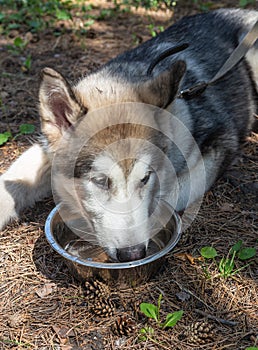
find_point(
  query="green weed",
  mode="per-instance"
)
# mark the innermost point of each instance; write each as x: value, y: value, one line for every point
x: 155, y: 30
x: 24, y: 129
x: 244, y: 3
x: 147, y: 4
x: 153, y: 311
x: 34, y: 15
x: 107, y: 13
x: 17, y: 48
x: 4, y: 137
x: 203, y: 5
x: 27, y: 63
x: 226, y: 265
x: 15, y: 343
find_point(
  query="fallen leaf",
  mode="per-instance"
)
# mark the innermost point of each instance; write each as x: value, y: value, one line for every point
x: 63, y: 339
x: 229, y: 207
x: 66, y: 347
x: 180, y: 256
x: 189, y: 257
x: 16, y: 320
x: 183, y: 296
x: 64, y: 332
x: 45, y: 290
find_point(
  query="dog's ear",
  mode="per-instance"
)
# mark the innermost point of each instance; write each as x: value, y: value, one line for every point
x: 161, y: 90
x: 59, y: 108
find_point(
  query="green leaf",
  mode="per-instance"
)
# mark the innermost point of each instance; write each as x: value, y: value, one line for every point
x: 243, y: 3
x: 27, y: 63
x: 226, y: 266
x: 143, y: 331
x: 13, y: 26
x: 142, y: 338
x: 35, y: 24
x: 208, y: 252
x: 149, y: 310
x: 158, y: 306
x: 5, y: 137
x: 26, y: 129
x: 246, y: 253
x: 18, y: 42
x: 236, y: 247
x: 62, y: 15
x: 252, y: 348
x: 89, y: 23
x: 172, y: 319
x: 147, y: 330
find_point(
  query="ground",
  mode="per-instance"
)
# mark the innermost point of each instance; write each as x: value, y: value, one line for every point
x: 41, y: 305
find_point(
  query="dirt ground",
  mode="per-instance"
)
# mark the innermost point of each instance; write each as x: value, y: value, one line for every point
x: 41, y: 305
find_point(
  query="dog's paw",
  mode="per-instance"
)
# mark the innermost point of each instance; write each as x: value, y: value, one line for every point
x: 7, y: 205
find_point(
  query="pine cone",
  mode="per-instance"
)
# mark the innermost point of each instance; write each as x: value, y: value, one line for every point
x: 96, y: 289
x: 134, y: 305
x: 200, y: 332
x: 103, y: 307
x: 123, y: 326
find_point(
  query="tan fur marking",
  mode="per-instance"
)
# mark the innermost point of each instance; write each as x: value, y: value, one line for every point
x: 126, y: 135
x: 88, y: 91
x: 127, y: 165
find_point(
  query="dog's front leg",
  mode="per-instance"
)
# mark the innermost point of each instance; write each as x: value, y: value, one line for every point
x: 24, y: 183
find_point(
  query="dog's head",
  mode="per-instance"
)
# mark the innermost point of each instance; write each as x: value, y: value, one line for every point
x: 110, y: 146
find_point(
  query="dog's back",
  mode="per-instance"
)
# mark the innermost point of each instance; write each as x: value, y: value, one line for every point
x: 212, y: 37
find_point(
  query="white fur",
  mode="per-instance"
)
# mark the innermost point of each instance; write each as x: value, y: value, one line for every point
x: 25, y: 182
x: 121, y: 216
x: 252, y: 58
x: 96, y: 93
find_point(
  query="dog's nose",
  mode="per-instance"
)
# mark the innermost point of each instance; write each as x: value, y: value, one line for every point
x: 131, y: 253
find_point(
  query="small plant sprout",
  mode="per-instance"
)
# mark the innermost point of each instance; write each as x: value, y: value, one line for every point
x: 4, y: 137
x: 226, y: 265
x: 19, y: 43
x: 154, y: 31
x: 24, y: 129
x: 153, y: 311
x: 145, y: 333
x: 244, y: 3
x: 27, y: 64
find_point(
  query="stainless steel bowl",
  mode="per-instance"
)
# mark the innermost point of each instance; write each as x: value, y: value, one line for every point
x: 85, y: 260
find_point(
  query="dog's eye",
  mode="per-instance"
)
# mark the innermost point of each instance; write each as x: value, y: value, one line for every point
x: 102, y: 182
x: 146, y: 178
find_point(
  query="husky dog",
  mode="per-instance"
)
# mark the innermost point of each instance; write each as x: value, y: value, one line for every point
x: 121, y: 139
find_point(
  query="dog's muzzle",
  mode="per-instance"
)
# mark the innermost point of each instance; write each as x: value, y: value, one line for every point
x: 131, y: 253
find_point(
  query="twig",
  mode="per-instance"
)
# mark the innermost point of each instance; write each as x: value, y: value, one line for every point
x: 218, y: 319
x: 195, y: 296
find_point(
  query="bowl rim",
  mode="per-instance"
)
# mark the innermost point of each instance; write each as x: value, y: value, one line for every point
x: 113, y: 265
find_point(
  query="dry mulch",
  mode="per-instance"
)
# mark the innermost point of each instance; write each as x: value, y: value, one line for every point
x: 43, y: 307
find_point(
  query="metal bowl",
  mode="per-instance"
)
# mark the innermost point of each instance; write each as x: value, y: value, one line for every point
x: 85, y: 260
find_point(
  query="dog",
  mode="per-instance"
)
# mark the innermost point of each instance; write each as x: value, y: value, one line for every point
x: 121, y: 141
